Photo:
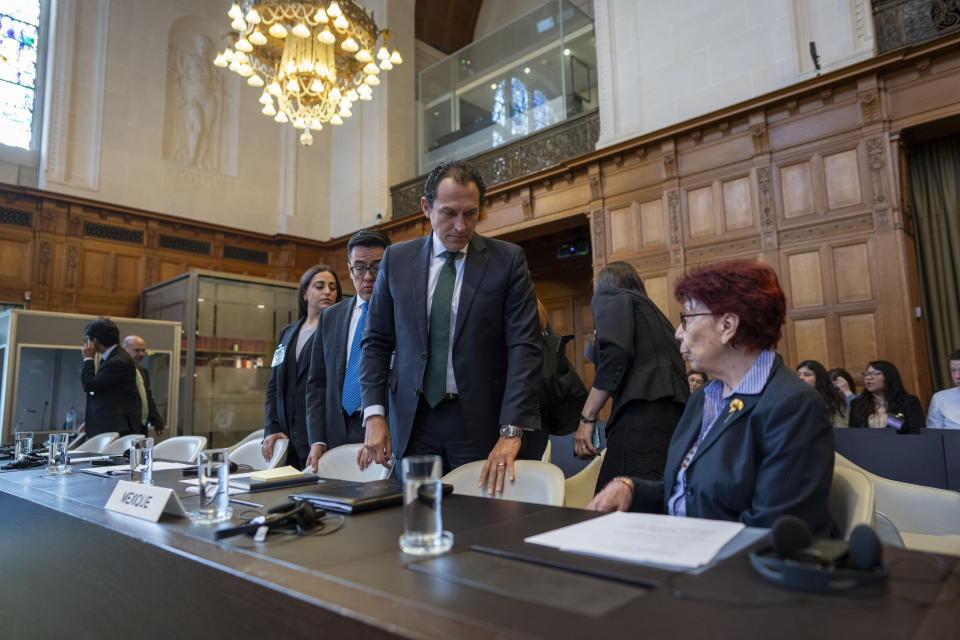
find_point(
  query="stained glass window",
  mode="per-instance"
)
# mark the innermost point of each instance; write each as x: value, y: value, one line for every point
x: 518, y: 106
x: 19, y: 23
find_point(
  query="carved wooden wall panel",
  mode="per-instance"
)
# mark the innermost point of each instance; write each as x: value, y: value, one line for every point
x: 805, y: 279
x: 852, y: 273
x: 651, y: 223
x: 796, y: 190
x: 700, y: 212
x: 658, y: 293
x: 623, y: 235
x: 811, y: 341
x: 842, y: 172
x: 737, y: 204
x: 858, y: 335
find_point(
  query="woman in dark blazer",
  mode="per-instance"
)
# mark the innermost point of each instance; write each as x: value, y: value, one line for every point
x: 884, y: 402
x: 638, y: 363
x: 286, y: 405
x: 755, y: 442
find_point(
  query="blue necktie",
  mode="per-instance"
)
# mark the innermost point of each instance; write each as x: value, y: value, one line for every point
x: 350, y: 398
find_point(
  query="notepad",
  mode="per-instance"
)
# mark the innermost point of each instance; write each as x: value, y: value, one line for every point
x: 279, y: 473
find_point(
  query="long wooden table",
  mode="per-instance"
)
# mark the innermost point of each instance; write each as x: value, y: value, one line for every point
x: 70, y: 567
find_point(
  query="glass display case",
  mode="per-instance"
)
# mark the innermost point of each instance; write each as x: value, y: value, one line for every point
x: 230, y: 327
x: 40, y: 363
x: 536, y: 71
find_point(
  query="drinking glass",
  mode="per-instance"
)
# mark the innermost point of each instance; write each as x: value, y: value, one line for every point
x: 58, y: 460
x: 141, y: 461
x: 24, y: 445
x: 423, y: 533
x: 213, y: 472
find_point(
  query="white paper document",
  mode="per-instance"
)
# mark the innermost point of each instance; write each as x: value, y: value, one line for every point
x: 644, y: 538
x: 233, y: 476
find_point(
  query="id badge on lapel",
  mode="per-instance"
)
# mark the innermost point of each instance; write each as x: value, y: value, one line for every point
x: 278, y: 355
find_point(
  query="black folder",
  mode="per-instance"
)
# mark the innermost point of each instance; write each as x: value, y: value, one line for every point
x: 345, y: 496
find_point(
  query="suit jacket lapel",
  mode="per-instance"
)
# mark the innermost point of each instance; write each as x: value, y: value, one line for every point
x: 340, y: 339
x: 472, y: 275
x: 287, y: 353
x: 686, y: 434
x: 419, y: 282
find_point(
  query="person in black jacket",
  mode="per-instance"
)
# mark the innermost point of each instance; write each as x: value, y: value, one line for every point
x: 286, y: 404
x: 150, y: 416
x: 884, y: 402
x: 113, y: 402
x: 639, y: 364
x: 755, y: 442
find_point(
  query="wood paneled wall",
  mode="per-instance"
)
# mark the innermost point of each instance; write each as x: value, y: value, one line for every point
x: 809, y: 179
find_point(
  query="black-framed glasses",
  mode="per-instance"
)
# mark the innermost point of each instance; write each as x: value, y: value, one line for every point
x: 684, y: 316
x: 360, y: 270
x: 872, y: 373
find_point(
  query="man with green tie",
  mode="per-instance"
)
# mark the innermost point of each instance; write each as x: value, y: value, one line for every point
x: 452, y: 342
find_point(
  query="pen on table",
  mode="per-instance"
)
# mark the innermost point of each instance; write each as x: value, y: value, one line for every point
x: 245, y: 503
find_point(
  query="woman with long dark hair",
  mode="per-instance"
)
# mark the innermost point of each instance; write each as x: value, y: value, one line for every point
x: 815, y: 375
x: 884, y: 402
x: 638, y: 363
x: 286, y: 405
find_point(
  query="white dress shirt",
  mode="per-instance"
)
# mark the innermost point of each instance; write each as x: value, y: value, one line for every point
x: 944, y: 410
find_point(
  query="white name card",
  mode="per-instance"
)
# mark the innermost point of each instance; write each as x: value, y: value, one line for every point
x: 144, y: 501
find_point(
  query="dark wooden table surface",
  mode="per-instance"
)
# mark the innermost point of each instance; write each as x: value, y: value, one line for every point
x: 71, y: 567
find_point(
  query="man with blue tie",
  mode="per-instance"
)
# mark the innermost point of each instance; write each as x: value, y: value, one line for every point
x: 333, y: 384
x: 452, y: 342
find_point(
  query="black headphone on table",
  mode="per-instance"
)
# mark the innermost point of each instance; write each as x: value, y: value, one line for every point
x: 793, y: 559
x: 297, y: 517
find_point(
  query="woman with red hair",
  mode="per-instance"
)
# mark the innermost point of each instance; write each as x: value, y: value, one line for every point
x: 755, y: 443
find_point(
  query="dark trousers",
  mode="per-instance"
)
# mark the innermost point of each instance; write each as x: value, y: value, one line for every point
x: 441, y: 431
x: 637, y: 440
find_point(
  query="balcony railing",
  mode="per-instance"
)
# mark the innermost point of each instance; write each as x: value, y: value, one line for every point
x: 899, y: 23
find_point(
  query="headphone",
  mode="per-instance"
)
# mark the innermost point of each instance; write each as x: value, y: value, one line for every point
x: 298, y: 517
x: 793, y: 559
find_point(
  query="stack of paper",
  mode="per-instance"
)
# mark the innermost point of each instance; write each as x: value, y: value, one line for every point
x: 645, y: 538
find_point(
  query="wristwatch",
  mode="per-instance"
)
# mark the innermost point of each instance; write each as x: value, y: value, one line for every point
x: 509, y: 431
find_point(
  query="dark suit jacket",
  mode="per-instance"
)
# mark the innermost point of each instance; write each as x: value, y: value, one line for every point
x: 636, y: 354
x: 495, y: 343
x: 153, y: 414
x: 774, y: 456
x: 287, y: 391
x: 911, y: 408
x: 328, y: 364
x: 113, y: 402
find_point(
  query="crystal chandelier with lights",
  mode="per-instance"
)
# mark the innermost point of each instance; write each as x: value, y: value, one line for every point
x: 313, y: 58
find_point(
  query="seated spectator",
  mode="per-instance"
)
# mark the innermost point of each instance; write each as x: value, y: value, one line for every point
x: 945, y: 406
x: 756, y: 443
x: 696, y: 379
x: 815, y: 375
x: 884, y: 402
x: 843, y: 381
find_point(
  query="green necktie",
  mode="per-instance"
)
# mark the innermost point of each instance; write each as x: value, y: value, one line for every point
x: 435, y: 379
x: 142, y: 390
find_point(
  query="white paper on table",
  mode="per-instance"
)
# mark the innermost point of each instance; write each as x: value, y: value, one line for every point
x: 645, y: 538
x: 119, y: 469
x: 233, y: 476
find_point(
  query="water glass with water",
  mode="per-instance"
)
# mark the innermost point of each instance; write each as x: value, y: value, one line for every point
x: 213, y: 472
x: 141, y: 461
x: 423, y: 533
x: 24, y: 445
x: 58, y: 460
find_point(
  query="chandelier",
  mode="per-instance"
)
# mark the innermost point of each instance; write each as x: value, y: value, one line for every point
x: 313, y: 58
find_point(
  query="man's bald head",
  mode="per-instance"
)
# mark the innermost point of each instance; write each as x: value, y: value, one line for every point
x: 136, y: 347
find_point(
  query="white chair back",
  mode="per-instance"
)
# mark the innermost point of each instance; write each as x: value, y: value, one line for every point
x: 96, y: 443
x: 536, y: 481
x: 119, y: 446
x: 579, y: 489
x: 251, y: 454
x: 341, y: 463
x: 851, y: 499
x: 180, y: 448
x: 253, y: 435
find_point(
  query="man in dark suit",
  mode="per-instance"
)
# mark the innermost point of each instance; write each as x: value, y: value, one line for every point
x: 136, y: 348
x: 113, y: 403
x: 333, y: 384
x: 460, y: 313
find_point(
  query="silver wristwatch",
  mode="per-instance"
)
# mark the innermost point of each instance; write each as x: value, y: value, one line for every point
x: 510, y: 431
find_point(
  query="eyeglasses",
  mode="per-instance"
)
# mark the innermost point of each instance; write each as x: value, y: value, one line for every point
x: 360, y: 270
x: 684, y: 316
x: 873, y: 373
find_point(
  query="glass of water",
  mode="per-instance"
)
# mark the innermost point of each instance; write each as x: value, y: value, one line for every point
x: 423, y: 533
x: 141, y: 461
x: 213, y: 472
x: 58, y: 460
x: 24, y: 445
